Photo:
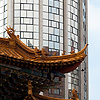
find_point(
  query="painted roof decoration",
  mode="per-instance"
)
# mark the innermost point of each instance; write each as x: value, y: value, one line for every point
x: 13, y: 48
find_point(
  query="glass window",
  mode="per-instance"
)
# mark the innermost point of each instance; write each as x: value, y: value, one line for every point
x: 45, y: 15
x: 56, y: 31
x: 17, y: 13
x: 29, y: 13
x: 54, y: 38
x: 45, y: 8
x: 51, y: 2
x: 50, y: 16
x: 53, y: 10
x: 56, y: 91
x: 56, y: 3
x: 61, y: 46
x: 61, y: 32
x: 29, y: 1
x: 50, y: 23
x: 61, y: 19
x: 23, y: 13
x: 30, y: 28
x: 45, y: 22
x: 45, y: 36
x: 36, y: 28
x: 50, y: 30
x: 61, y: 39
x: 51, y: 44
x: 61, y: 25
x: 58, y: 40
x: 27, y: 21
x: 17, y: 1
x: 17, y: 27
x: 45, y: 29
x: 61, y: 12
x: 54, y: 24
x: 56, y: 17
x: 49, y: 90
x: 23, y: 1
x: 36, y: 35
x: 36, y: 42
x: 27, y: 35
x: 36, y: 1
x: 36, y: 7
x: 36, y: 21
x: 50, y: 9
x: 61, y: 5
x: 75, y: 11
x: 26, y: 6
x: 17, y: 20
x: 45, y: 2
x: 56, y: 45
x: 50, y: 37
x: 45, y: 43
x: 16, y: 6
x: 23, y: 27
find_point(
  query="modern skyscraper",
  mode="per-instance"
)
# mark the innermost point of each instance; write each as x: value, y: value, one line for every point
x: 57, y: 26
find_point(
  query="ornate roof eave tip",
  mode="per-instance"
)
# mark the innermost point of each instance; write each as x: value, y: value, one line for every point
x: 10, y: 32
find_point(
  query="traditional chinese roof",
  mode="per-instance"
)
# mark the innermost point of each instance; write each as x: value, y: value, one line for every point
x: 13, y: 50
x: 19, y: 64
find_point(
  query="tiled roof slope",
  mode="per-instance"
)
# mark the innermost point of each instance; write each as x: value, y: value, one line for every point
x: 14, y: 49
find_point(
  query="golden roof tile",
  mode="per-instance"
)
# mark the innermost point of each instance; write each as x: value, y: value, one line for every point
x: 13, y: 47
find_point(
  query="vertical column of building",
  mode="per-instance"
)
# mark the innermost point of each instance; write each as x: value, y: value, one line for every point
x: 81, y: 46
x: 10, y: 13
x: 41, y: 24
x: 45, y: 25
x: 87, y: 97
x: 83, y: 42
x: 66, y: 43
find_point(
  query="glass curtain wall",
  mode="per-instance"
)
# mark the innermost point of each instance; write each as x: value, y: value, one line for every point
x: 53, y: 35
x: 73, y: 37
x: 26, y: 21
x: 53, y: 26
x: 3, y: 18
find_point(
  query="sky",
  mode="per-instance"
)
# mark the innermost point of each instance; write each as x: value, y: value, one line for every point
x: 94, y: 49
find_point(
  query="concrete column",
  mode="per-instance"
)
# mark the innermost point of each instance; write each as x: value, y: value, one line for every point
x: 10, y: 13
x: 87, y: 48
x: 81, y: 46
x: 41, y: 24
x: 66, y: 41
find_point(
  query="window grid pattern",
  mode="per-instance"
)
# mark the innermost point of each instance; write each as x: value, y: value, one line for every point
x: 26, y: 21
x: 53, y: 26
x: 3, y: 18
x: 73, y: 37
x: 53, y: 34
x: 58, y: 92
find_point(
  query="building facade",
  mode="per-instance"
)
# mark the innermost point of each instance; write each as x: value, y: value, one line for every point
x: 56, y: 26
